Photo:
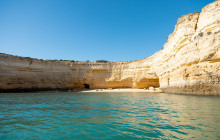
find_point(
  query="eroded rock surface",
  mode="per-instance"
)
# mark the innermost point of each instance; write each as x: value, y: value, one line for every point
x: 188, y: 64
x: 19, y: 73
x: 190, y: 60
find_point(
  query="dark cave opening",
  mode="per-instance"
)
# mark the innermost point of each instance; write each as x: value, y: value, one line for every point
x: 86, y: 86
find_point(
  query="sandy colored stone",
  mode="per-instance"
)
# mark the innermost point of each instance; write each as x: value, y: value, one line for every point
x: 19, y: 73
x: 189, y: 63
x: 190, y: 60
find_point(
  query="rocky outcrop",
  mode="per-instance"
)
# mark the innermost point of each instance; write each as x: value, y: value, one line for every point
x: 189, y: 63
x: 23, y: 74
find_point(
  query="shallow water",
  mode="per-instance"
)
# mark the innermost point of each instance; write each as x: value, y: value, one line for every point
x: 108, y: 116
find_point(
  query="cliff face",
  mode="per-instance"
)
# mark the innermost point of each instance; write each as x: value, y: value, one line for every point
x: 188, y: 64
x: 190, y: 60
x: 19, y: 73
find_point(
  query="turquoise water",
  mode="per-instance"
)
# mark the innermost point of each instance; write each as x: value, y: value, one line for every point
x: 44, y: 116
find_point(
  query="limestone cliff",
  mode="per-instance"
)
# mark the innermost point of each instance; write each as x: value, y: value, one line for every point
x: 190, y: 60
x: 18, y: 73
x: 189, y: 63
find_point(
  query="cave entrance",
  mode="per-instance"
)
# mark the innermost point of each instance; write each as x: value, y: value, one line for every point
x: 86, y: 86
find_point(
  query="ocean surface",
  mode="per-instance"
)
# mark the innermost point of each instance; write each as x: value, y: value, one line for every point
x: 82, y: 116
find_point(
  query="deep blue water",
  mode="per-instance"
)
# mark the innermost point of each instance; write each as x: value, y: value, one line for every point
x: 82, y: 116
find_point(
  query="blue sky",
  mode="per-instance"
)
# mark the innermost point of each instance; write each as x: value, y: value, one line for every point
x: 113, y: 30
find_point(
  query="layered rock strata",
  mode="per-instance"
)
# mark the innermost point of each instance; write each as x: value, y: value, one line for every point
x: 189, y: 63
x: 190, y: 60
x: 18, y: 73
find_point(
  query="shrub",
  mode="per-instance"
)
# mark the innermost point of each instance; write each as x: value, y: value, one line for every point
x: 103, y: 61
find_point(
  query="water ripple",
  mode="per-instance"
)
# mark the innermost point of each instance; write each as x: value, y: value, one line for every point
x: 108, y: 116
